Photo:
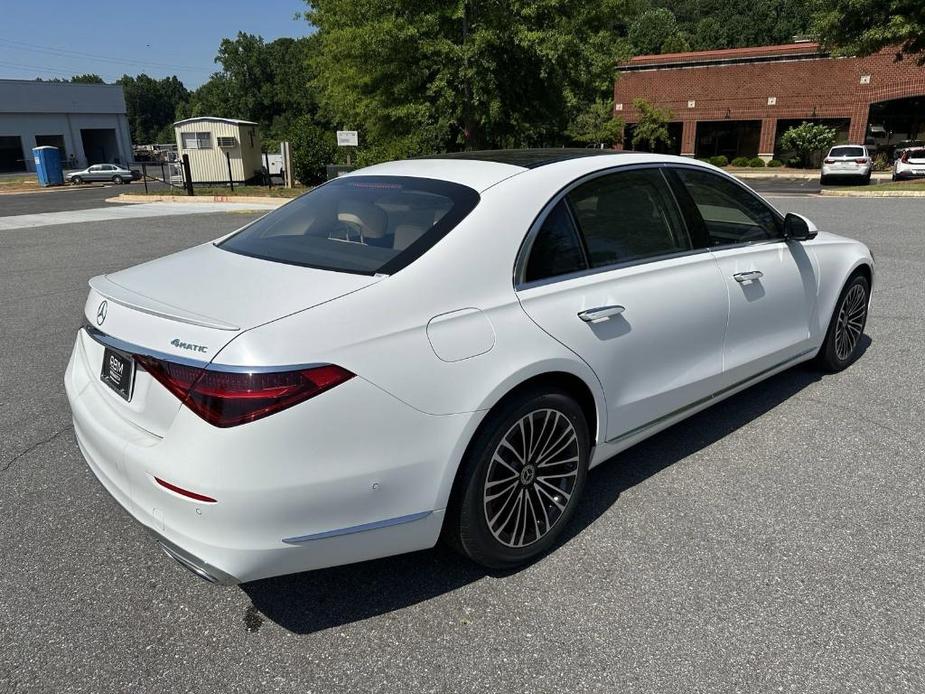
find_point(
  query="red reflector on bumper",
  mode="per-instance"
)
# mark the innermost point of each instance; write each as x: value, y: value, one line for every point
x: 185, y: 492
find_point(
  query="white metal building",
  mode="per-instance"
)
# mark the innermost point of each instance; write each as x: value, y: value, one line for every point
x: 207, y: 140
x: 86, y: 122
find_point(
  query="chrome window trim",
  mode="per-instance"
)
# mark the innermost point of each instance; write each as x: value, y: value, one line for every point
x: 526, y: 245
x: 115, y: 343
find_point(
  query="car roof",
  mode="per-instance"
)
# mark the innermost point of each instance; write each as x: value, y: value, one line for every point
x: 525, y: 158
x: 480, y: 170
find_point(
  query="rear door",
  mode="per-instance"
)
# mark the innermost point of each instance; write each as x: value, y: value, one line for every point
x: 611, y: 272
x: 771, y: 282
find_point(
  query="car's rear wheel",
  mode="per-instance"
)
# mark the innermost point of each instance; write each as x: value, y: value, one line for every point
x: 843, y: 339
x: 823, y: 180
x: 521, y: 480
x: 117, y: 180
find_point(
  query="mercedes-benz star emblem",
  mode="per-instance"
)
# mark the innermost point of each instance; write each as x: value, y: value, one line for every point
x: 101, y: 312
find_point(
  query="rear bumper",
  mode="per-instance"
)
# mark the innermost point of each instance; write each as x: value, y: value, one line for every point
x: 855, y: 172
x: 351, y: 475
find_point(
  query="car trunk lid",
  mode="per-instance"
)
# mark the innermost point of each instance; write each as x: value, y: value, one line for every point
x: 185, y: 308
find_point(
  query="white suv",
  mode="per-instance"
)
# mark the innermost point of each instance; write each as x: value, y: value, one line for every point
x: 847, y: 160
x: 909, y: 164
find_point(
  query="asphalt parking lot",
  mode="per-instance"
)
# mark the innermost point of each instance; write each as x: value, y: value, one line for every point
x: 772, y: 543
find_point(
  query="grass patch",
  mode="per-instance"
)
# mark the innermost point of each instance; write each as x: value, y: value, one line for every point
x: 11, y: 184
x: 900, y: 185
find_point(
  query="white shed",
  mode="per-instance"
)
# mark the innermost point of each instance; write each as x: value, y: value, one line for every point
x: 208, y: 139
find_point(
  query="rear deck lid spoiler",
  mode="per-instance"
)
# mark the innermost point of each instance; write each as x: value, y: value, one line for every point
x: 126, y: 297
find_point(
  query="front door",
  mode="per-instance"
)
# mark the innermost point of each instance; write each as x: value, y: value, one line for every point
x: 613, y: 275
x: 771, y: 282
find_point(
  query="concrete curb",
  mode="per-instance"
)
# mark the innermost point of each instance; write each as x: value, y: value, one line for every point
x: 245, y: 199
x: 873, y: 193
x: 791, y: 175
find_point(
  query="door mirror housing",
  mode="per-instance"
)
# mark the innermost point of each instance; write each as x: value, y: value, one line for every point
x: 798, y: 228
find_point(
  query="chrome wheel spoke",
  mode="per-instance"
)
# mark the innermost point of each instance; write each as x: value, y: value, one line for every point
x: 850, y: 322
x: 530, y: 477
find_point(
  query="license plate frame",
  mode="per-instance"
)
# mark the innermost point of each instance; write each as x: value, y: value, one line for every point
x: 118, y: 372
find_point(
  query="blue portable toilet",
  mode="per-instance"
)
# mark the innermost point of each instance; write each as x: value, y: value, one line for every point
x: 48, y: 165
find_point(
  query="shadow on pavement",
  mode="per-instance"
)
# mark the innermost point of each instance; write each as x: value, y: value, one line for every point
x: 312, y: 601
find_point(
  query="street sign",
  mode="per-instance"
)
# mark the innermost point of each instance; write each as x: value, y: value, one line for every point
x: 347, y: 138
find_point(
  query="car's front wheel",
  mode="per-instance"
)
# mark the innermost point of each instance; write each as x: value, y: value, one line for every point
x: 77, y: 180
x: 842, y: 344
x: 521, y: 479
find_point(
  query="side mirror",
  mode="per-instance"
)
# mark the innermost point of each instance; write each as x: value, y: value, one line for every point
x: 798, y: 228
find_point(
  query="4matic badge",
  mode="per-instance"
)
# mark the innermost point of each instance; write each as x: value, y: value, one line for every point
x: 179, y: 344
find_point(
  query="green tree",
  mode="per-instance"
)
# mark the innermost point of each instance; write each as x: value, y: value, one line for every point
x: 312, y: 149
x: 656, y: 31
x: 597, y: 126
x: 806, y: 139
x: 862, y: 27
x: 708, y: 34
x: 652, y: 127
x: 268, y: 83
x: 88, y: 78
x: 469, y: 73
x: 151, y: 106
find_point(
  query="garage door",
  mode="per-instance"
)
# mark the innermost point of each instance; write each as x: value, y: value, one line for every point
x: 11, y: 156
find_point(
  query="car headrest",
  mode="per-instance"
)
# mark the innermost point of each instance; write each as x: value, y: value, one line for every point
x: 372, y: 221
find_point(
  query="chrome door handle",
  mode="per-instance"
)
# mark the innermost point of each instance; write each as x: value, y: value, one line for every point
x: 748, y: 276
x: 601, y: 313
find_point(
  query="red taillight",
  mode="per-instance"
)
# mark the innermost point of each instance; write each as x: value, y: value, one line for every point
x: 229, y: 398
x: 860, y: 161
x: 185, y: 492
x: 829, y: 161
x: 905, y: 157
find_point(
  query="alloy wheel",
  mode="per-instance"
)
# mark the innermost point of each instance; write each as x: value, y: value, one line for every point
x: 850, y: 324
x: 531, y: 478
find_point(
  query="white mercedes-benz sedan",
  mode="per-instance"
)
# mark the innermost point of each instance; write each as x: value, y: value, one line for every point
x: 441, y: 347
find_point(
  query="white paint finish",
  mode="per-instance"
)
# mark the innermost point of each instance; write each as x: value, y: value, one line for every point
x: 769, y: 317
x: 404, y: 422
x: 658, y: 354
x: 460, y: 334
x: 116, y: 212
x: 475, y: 174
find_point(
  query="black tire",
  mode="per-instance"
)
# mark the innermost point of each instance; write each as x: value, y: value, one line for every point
x: 546, y: 414
x: 117, y: 180
x: 823, y: 180
x: 77, y: 180
x: 847, y: 323
x: 867, y: 179
x: 893, y: 178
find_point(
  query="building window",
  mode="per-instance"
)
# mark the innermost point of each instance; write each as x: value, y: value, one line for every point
x: 226, y: 142
x: 196, y: 140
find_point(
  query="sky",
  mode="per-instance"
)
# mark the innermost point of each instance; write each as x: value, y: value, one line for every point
x: 61, y: 38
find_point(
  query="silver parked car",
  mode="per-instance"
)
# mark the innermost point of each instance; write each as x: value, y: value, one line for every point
x: 103, y: 172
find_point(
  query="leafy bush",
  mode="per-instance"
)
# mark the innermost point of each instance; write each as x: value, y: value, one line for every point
x: 882, y: 162
x: 756, y: 163
x: 312, y: 150
x: 793, y: 162
x: 807, y: 139
x: 720, y: 161
x: 741, y: 161
x: 775, y: 163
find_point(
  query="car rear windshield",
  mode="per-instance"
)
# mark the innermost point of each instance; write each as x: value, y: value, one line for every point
x: 361, y: 224
x: 916, y: 154
x: 847, y: 152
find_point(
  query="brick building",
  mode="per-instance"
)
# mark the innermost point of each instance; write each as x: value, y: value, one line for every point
x: 739, y: 101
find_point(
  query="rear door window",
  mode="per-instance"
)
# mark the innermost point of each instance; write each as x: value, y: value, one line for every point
x: 359, y: 224
x: 628, y: 216
x: 556, y: 250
